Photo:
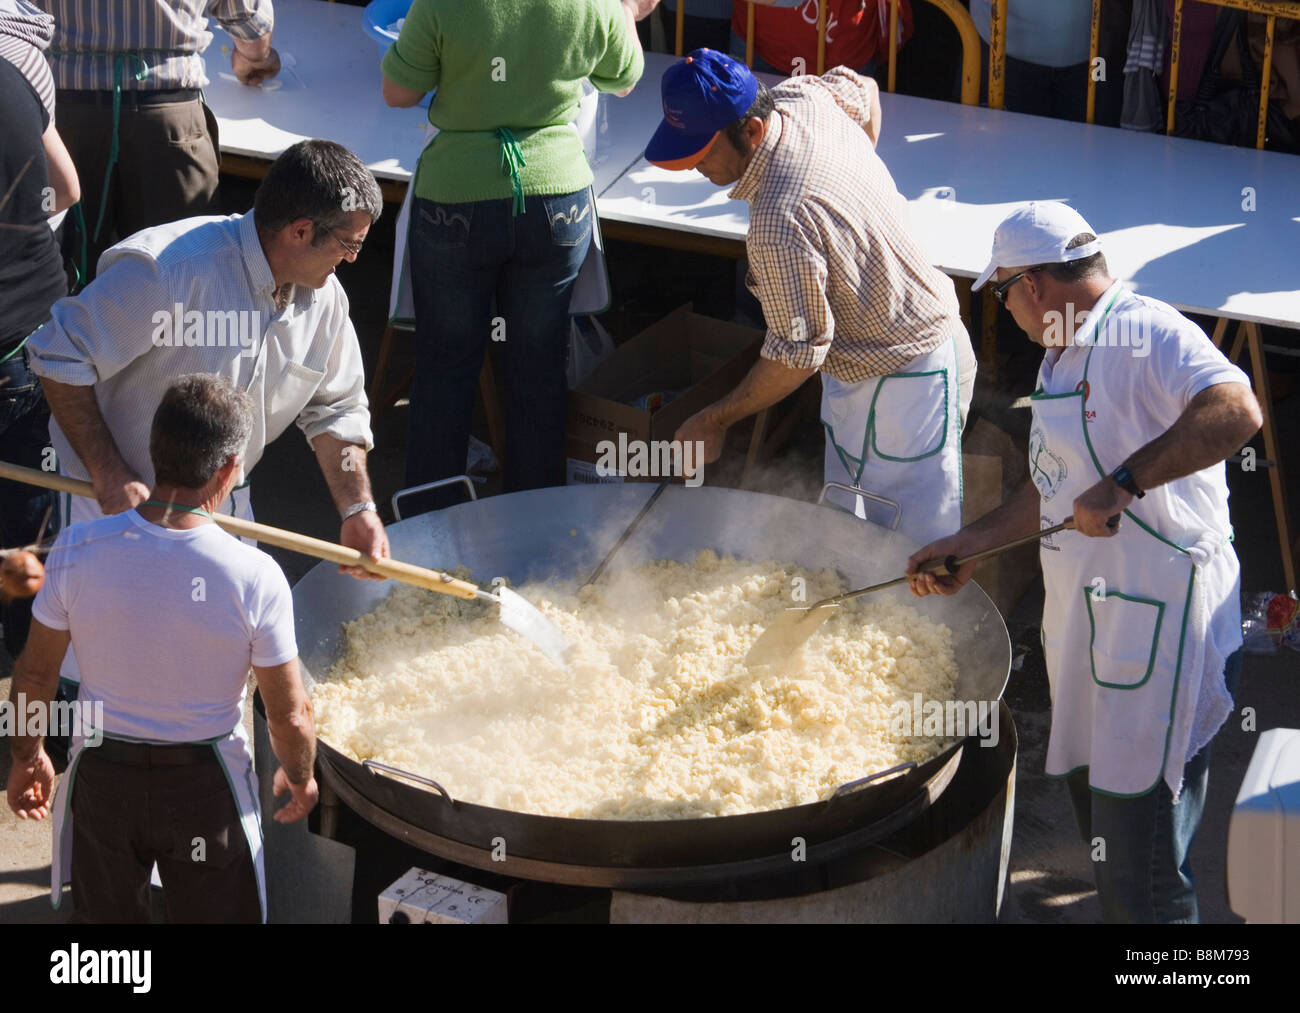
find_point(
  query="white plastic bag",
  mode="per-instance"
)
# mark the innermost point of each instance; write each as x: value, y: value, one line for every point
x: 589, y: 344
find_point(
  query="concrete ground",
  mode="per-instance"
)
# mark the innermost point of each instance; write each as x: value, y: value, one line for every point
x: 1050, y: 874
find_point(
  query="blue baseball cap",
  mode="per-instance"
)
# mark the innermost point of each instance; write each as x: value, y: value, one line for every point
x: 702, y: 94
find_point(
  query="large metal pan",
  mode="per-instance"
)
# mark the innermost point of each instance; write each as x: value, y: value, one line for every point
x: 565, y: 532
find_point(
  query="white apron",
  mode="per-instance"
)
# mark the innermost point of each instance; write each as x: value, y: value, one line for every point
x: 1124, y: 621
x: 899, y: 436
x: 82, y: 508
x: 236, y: 760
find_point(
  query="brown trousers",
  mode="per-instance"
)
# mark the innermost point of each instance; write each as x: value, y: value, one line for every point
x: 124, y: 819
x: 167, y: 167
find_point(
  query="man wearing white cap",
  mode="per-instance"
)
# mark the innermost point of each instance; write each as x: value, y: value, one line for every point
x: 1134, y: 413
x: 846, y: 290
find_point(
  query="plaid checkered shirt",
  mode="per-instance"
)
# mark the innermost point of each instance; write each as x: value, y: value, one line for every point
x: 844, y: 286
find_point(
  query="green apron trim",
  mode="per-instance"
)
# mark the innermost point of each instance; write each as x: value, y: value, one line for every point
x: 871, y: 418
x: 512, y: 160
x: 1155, y: 637
x: 1191, y: 580
x: 16, y: 349
x: 257, y: 814
x: 141, y: 73
x: 174, y: 506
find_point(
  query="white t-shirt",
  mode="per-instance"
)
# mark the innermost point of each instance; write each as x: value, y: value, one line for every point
x: 166, y: 623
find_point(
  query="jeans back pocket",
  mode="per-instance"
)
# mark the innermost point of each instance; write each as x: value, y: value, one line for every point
x: 570, y: 217
x: 443, y: 226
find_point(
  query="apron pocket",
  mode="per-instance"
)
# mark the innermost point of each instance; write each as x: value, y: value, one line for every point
x: 1124, y: 631
x: 909, y: 415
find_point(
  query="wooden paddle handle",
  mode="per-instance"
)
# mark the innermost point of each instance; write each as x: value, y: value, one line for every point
x: 430, y: 580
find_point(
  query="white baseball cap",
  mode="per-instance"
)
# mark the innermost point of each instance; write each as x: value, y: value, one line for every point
x: 1038, y: 233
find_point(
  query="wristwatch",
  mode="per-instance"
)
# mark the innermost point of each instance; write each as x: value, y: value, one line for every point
x: 357, y: 508
x: 1123, y: 478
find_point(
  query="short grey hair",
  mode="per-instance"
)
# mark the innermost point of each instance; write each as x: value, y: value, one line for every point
x: 319, y: 180
x: 1071, y: 271
x: 202, y: 422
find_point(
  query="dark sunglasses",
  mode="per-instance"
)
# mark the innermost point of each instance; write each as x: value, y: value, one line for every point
x: 1000, y: 291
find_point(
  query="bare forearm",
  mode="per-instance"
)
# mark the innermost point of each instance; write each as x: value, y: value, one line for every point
x: 79, y: 417
x: 1213, y: 427
x: 30, y: 683
x: 344, y: 468
x: 763, y: 386
x: 293, y: 740
x: 289, y: 719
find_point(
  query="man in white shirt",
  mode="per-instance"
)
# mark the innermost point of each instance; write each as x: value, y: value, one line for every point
x: 167, y: 613
x: 252, y: 298
x: 1134, y: 415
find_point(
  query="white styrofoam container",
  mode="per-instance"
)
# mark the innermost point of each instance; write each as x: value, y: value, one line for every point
x: 1264, y: 832
x: 422, y: 897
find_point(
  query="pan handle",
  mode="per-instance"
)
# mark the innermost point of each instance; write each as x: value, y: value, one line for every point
x: 851, y: 786
x: 469, y: 484
x: 373, y: 765
x: 874, y: 497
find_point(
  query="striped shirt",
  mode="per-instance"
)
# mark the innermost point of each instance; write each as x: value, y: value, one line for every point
x: 197, y: 296
x: 844, y: 286
x: 168, y: 36
x: 25, y: 32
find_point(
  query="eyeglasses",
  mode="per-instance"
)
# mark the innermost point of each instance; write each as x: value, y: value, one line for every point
x: 354, y: 250
x: 1000, y: 291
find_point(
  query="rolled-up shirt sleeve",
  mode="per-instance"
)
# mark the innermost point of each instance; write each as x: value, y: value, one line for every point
x: 92, y: 336
x: 789, y: 278
x: 339, y: 406
x: 852, y: 92
x: 245, y: 20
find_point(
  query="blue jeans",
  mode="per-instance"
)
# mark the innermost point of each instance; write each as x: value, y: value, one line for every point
x: 465, y: 258
x: 24, y: 435
x: 1146, y: 876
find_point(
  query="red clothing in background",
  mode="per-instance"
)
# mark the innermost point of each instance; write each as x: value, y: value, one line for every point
x: 856, y: 32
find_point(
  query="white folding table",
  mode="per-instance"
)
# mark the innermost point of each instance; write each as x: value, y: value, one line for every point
x: 1207, y: 228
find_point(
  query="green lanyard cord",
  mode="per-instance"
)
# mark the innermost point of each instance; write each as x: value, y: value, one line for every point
x: 141, y: 73
x: 82, y: 269
x: 173, y: 506
x: 15, y: 350
x: 512, y: 160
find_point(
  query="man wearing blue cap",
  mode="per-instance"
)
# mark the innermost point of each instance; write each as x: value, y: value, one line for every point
x: 1134, y: 413
x: 844, y: 287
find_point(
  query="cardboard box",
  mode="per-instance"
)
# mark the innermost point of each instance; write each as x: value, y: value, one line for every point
x: 993, y: 467
x: 698, y: 357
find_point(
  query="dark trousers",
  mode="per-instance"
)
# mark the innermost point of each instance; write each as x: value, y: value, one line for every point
x: 167, y: 165
x: 184, y: 818
x: 24, y: 436
x: 482, y: 276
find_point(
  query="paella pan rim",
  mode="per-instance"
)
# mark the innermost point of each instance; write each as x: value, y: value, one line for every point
x: 531, y: 534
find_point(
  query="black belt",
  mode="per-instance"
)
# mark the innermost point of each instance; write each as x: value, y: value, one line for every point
x: 144, y: 754
x: 150, y: 97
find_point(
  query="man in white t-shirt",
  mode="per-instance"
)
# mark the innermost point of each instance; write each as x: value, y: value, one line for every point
x: 167, y: 613
x: 1134, y: 414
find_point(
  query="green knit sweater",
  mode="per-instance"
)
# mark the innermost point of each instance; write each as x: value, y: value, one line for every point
x: 517, y: 64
